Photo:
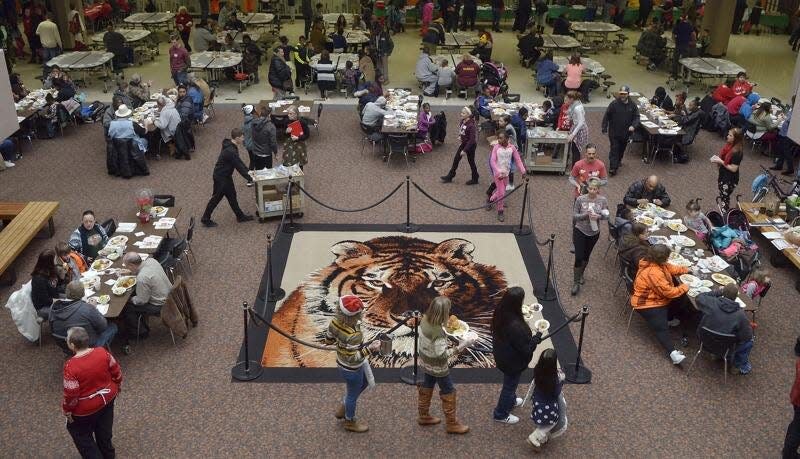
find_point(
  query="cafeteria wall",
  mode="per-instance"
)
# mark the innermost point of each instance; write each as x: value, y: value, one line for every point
x: 718, y: 19
x: 8, y: 113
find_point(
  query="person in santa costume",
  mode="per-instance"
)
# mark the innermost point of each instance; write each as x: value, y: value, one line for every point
x: 351, y: 357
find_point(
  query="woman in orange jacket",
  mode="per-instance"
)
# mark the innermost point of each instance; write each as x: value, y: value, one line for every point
x: 657, y: 299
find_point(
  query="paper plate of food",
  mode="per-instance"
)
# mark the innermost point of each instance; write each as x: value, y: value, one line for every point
x: 677, y: 226
x: 125, y: 282
x: 101, y: 264
x: 707, y: 283
x: 455, y: 327
x: 677, y: 259
x: 722, y: 279
x: 118, y: 240
x: 158, y: 210
x: 529, y: 309
x: 103, y: 299
x: 119, y: 291
x: 684, y: 241
x: 690, y: 280
x: 541, y: 325
x: 113, y: 256
x: 645, y: 220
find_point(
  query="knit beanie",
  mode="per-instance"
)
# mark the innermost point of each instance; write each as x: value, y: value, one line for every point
x: 351, y: 305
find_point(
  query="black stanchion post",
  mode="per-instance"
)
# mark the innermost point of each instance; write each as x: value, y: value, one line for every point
x: 291, y: 228
x: 577, y: 373
x: 246, y: 370
x: 524, y: 231
x: 547, y: 294
x: 407, y: 226
x: 414, y: 378
x: 272, y: 292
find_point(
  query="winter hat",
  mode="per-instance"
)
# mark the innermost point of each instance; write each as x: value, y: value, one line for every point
x: 247, y: 109
x: 351, y: 305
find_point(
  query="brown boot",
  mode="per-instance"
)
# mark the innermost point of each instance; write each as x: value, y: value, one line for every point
x: 355, y: 426
x: 424, y: 406
x: 340, y: 411
x: 449, y: 408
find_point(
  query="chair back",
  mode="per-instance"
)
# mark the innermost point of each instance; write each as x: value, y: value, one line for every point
x: 721, y: 344
x: 398, y: 143
x: 179, y: 248
x: 627, y: 275
x: 190, y: 231
x: 110, y: 227
x: 164, y: 200
x: 613, y: 231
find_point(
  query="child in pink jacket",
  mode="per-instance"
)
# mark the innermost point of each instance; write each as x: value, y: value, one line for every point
x: 427, y: 16
x: 502, y: 155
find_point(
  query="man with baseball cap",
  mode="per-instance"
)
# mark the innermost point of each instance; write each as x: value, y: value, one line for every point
x: 619, y: 122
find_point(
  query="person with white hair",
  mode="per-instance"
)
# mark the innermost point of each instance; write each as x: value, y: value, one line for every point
x: 167, y: 121
x: 374, y: 112
x: 92, y: 380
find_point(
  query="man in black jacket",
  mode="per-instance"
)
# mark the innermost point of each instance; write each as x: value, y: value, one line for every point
x: 647, y: 190
x: 723, y: 314
x: 469, y: 14
x: 308, y: 16
x: 619, y: 122
x: 223, y: 179
x: 265, y: 144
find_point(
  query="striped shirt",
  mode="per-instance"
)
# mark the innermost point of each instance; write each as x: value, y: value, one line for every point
x: 348, y: 339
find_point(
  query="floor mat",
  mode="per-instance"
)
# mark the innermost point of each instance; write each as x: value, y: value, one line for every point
x: 395, y: 272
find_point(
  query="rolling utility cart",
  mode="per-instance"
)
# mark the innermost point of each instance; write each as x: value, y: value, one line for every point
x: 271, y: 196
x: 547, y: 150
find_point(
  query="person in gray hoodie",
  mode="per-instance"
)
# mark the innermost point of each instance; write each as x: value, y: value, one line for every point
x: 723, y: 314
x: 74, y: 312
x: 265, y: 142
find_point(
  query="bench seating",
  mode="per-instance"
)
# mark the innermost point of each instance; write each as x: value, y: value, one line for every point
x: 9, y: 210
x: 24, y: 226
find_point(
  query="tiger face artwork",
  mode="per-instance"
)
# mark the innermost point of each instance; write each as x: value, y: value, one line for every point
x: 392, y: 275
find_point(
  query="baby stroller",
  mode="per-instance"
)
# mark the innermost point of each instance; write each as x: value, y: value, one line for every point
x: 494, y: 76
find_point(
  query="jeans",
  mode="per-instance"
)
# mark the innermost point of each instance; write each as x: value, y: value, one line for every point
x: 792, y: 440
x: 616, y: 151
x: 496, y: 13
x: 445, y: 383
x: 106, y: 336
x: 356, y: 382
x: 583, y: 245
x: 658, y: 317
x: 179, y: 78
x: 741, y: 358
x: 92, y: 434
x: 470, y: 152
x: 508, y: 395
x: 223, y: 189
x: 47, y: 54
x: 8, y: 150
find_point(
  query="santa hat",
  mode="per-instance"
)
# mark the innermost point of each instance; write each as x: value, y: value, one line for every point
x: 351, y: 305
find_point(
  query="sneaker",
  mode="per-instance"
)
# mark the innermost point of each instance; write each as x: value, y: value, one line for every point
x: 677, y: 357
x: 205, y: 117
x: 511, y: 419
x: 612, y: 172
x: 8, y: 163
x: 501, y: 217
x: 446, y: 179
x: 244, y: 218
x: 249, y: 184
x: 489, y: 206
x: 209, y: 223
x: 519, y: 402
x: 674, y: 322
x: 509, y: 187
x: 472, y: 182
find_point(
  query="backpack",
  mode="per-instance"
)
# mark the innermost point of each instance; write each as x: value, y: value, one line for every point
x: 721, y: 118
x: 438, y: 130
x: 93, y: 112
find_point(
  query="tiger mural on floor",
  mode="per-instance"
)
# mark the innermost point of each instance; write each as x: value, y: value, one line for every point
x: 391, y: 275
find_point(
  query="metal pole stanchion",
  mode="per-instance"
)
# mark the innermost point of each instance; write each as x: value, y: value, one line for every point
x: 524, y: 231
x: 407, y: 227
x: 577, y: 373
x: 291, y: 228
x: 546, y: 295
x: 246, y: 370
x: 272, y: 292
x: 414, y: 378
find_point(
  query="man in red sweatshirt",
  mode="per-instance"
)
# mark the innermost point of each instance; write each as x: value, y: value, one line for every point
x: 724, y: 92
x: 178, y: 60
x: 792, y: 440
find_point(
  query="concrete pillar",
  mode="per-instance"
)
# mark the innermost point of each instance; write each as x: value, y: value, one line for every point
x: 60, y: 10
x: 718, y: 19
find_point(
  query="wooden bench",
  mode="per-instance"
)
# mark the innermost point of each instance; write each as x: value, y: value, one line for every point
x: 24, y: 226
x: 9, y: 210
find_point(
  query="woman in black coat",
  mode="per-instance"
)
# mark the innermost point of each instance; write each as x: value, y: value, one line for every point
x: 44, y: 281
x: 513, y: 346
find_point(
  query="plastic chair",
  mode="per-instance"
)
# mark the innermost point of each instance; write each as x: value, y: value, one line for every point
x: 613, y: 236
x: 716, y: 343
x: 397, y: 143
